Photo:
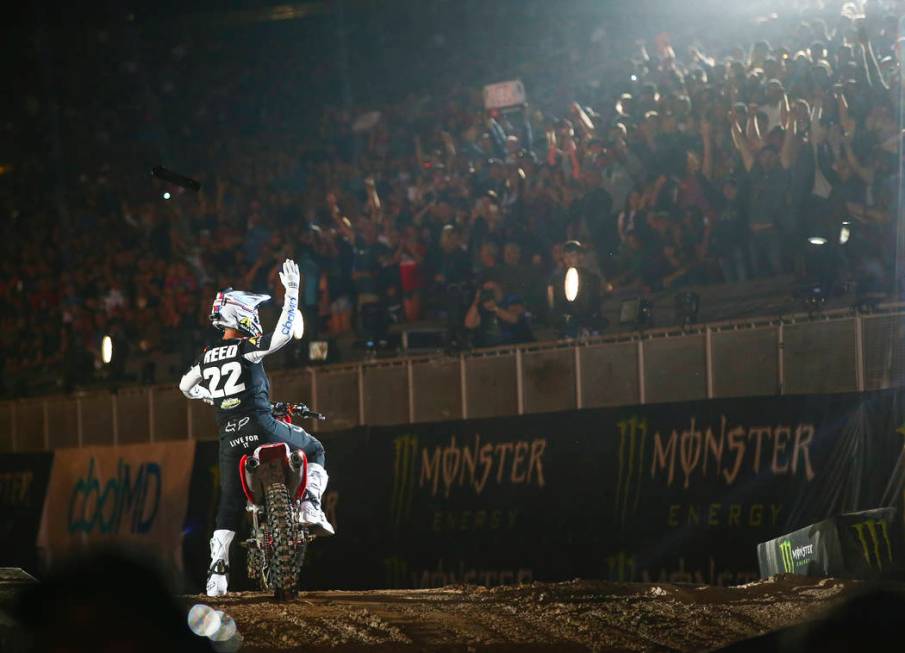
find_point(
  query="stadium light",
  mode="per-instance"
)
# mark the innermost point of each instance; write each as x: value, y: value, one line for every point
x: 167, y: 195
x: 298, y: 326
x: 107, y: 350
x: 571, y: 284
x: 318, y: 350
x: 845, y: 233
x: 817, y: 240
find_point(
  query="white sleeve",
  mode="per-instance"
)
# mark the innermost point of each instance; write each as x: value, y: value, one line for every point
x: 191, y: 389
x: 281, y: 335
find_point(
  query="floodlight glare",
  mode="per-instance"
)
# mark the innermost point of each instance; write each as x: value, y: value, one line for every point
x: 107, y: 350
x: 318, y: 350
x: 571, y: 284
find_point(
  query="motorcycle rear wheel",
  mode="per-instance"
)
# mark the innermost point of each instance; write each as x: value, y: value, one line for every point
x: 283, y: 568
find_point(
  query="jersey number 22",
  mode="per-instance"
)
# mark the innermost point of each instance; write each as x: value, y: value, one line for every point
x: 234, y: 370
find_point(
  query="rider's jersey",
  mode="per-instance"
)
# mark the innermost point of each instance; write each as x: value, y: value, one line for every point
x: 234, y: 375
x: 229, y: 373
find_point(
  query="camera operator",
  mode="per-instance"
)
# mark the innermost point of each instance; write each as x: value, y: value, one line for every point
x: 497, y: 319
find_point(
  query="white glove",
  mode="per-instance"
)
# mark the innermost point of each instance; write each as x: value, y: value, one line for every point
x: 202, y: 393
x: 290, y: 277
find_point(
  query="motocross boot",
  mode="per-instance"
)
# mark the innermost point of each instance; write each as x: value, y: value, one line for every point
x: 311, y: 514
x: 218, y: 572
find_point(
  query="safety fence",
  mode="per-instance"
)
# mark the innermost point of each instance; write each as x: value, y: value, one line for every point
x: 667, y: 492
x: 802, y: 354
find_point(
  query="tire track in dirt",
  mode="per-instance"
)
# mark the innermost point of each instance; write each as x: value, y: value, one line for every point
x: 573, y: 616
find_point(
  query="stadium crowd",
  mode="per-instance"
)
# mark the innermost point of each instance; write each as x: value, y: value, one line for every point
x: 674, y: 159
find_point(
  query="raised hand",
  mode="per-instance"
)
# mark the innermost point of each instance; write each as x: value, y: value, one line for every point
x: 290, y: 277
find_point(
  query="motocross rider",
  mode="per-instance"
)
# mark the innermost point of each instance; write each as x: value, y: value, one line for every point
x: 229, y: 374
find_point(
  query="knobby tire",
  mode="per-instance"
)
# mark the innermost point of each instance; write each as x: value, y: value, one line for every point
x: 283, y: 563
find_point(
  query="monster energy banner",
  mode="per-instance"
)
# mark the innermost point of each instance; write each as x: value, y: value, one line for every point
x: 866, y: 544
x: 667, y: 492
x: 678, y: 492
x: 23, y: 485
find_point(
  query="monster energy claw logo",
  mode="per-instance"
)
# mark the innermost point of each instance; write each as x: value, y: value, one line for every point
x: 785, y: 549
x: 632, y: 441
x: 800, y: 556
x: 869, y: 533
x: 406, y: 450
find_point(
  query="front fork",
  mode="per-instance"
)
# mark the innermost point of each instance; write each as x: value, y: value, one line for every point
x: 255, y: 546
x: 254, y: 510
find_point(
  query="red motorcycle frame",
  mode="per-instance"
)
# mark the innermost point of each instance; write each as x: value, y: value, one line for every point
x: 274, y: 479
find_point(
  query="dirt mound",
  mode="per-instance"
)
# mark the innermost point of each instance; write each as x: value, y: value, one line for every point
x: 573, y: 616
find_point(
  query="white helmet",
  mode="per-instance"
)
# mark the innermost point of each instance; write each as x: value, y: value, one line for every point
x: 237, y: 309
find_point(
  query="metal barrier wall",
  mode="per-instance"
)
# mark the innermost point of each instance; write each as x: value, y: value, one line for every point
x: 827, y: 353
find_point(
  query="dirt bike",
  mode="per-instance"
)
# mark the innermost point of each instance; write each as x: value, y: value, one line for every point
x: 273, y: 480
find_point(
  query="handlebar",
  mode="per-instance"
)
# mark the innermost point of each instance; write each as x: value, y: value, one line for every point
x: 282, y: 408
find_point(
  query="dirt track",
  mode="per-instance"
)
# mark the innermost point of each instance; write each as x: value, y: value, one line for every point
x: 578, y: 615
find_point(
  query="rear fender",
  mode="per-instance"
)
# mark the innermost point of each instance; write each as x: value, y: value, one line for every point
x: 276, y: 451
x: 273, y: 463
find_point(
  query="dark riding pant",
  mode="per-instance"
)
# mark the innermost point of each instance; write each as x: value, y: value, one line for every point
x: 241, y: 435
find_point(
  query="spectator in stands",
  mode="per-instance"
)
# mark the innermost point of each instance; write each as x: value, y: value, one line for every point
x: 496, y: 318
x: 451, y: 289
x: 665, y: 161
x: 310, y: 260
x: 729, y: 234
x: 513, y: 275
x: 411, y: 254
x: 365, y: 263
x: 489, y: 267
